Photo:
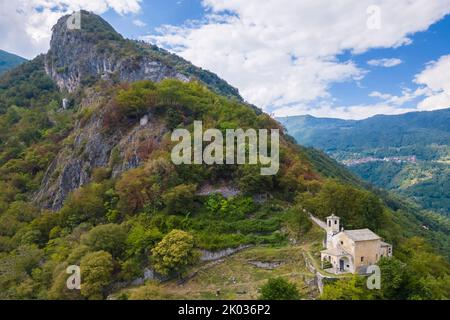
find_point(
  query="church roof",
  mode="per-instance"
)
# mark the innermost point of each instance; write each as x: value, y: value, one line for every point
x: 361, y: 235
x: 385, y: 244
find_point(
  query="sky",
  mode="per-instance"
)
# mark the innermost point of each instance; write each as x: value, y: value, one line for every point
x: 348, y: 59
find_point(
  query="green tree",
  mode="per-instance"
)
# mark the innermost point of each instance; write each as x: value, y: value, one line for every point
x: 140, y: 239
x: 347, y: 289
x: 85, y: 204
x: 180, y: 199
x: 59, y: 290
x: 175, y: 253
x: 394, y: 279
x: 134, y: 190
x: 300, y: 221
x: 137, y: 99
x: 279, y: 289
x: 416, y: 273
x: 108, y: 237
x: 357, y: 208
x: 96, y: 274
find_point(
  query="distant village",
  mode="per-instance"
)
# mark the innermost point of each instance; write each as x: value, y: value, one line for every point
x: 402, y: 159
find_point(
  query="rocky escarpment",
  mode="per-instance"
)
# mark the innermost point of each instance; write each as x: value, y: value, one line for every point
x: 77, y: 59
x: 90, y: 147
x: 96, y: 50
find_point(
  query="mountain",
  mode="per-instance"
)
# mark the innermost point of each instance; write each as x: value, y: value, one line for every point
x: 88, y: 180
x: 408, y: 153
x: 106, y: 55
x: 9, y: 61
x: 98, y: 51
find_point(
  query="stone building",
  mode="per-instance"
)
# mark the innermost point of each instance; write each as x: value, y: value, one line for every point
x: 351, y: 251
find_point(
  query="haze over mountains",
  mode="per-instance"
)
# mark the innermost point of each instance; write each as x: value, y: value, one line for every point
x: 9, y: 61
x: 409, y: 153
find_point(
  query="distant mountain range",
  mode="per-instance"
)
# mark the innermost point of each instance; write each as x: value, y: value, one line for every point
x: 9, y: 61
x: 408, y: 153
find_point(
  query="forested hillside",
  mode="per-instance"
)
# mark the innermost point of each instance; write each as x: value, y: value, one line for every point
x: 90, y: 182
x: 407, y: 153
x: 9, y: 61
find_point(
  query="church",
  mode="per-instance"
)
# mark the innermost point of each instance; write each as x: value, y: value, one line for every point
x: 351, y: 251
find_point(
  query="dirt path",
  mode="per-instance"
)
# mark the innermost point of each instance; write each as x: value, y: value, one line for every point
x: 317, y: 221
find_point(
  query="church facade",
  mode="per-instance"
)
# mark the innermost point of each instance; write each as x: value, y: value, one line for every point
x: 351, y: 251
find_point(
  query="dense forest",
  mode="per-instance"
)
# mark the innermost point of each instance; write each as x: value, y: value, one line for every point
x: 9, y: 61
x: 407, y: 153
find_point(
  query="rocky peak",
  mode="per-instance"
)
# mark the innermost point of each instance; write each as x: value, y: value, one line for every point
x: 80, y: 56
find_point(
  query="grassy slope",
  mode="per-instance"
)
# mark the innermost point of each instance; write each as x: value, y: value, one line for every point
x: 235, y: 277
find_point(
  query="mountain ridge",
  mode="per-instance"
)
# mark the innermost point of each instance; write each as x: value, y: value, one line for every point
x: 97, y: 51
x: 9, y: 61
x: 408, y: 153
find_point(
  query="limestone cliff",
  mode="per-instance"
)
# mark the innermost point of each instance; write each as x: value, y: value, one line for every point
x: 95, y: 51
x: 79, y: 58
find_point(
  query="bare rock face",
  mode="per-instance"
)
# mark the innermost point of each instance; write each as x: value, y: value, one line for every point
x: 77, y: 59
x: 97, y: 51
x: 90, y: 147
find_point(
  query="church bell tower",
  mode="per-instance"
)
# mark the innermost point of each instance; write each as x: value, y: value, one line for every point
x: 332, y: 228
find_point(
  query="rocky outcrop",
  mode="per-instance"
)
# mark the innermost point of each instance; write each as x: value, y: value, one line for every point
x: 225, y: 190
x: 79, y: 58
x: 97, y: 51
x: 268, y: 265
x: 90, y: 147
x: 216, y: 255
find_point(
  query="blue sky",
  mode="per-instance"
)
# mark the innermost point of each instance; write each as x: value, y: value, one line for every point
x: 154, y: 14
x: 342, y: 66
x: 426, y: 46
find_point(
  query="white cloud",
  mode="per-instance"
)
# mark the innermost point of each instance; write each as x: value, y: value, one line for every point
x: 386, y: 63
x: 354, y: 112
x: 433, y: 92
x: 139, y: 23
x: 407, y: 95
x: 283, y: 53
x: 436, y: 80
x: 25, y: 25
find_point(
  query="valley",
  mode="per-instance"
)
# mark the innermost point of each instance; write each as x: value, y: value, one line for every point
x: 407, y: 153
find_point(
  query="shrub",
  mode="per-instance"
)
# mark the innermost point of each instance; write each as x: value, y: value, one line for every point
x: 85, y: 204
x: 279, y: 289
x: 175, y: 253
x: 96, y: 270
x: 108, y: 237
x: 180, y: 199
x: 136, y: 100
x: 100, y: 174
x: 300, y: 221
x: 134, y: 190
x: 140, y: 239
